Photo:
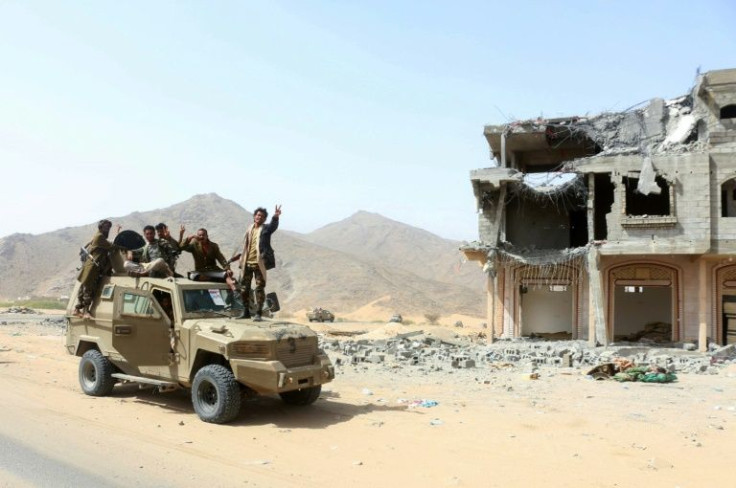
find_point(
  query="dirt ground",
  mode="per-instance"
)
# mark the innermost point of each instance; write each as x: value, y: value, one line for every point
x: 490, y: 427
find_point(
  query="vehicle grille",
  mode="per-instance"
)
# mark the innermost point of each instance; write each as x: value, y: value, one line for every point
x: 293, y: 351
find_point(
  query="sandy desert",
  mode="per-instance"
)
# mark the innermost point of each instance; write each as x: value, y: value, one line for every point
x: 489, y: 426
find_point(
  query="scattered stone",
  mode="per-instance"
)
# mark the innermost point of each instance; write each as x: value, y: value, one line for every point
x: 659, y: 463
x: 425, y: 354
x: 22, y: 310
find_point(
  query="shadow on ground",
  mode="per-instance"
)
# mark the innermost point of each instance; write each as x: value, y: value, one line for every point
x: 328, y: 410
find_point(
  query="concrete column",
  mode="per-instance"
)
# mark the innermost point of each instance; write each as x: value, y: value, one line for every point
x: 597, y: 334
x: 491, y: 305
x: 591, y: 206
x: 504, y: 306
x: 702, y: 306
x: 500, y: 212
x: 503, y: 148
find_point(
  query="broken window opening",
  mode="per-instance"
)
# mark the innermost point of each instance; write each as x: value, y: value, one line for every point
x: 728, y: 112
x: 728, y: 198
x: 639, y: 204
x: 547, y: 214
x: 604, y: 194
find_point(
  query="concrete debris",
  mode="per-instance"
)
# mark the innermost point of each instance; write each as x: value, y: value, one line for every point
x: 430, y: 354
x: 23, y: 310
x: 657, y: 128
x: 647, y: 184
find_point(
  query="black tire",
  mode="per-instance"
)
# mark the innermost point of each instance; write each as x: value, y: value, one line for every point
x: 305, y: 396
x: 95, y: 374
x: 216, y: 394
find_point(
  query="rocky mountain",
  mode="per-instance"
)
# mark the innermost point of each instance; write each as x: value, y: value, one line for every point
x: 342, y: 266
x: 384, y: 242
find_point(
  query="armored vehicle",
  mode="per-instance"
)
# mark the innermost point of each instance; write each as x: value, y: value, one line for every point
x: 396, y: 318
x: 176, y: 333
x: 320, y: 315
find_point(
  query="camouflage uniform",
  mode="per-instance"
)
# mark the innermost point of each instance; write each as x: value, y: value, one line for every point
x: 206, y: 260
x: 176, y: 249
x: 96, y: 266
x: 159, y: 248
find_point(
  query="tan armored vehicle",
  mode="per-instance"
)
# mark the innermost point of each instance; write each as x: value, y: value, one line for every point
x: 176, y: 333
x: 320, y: 315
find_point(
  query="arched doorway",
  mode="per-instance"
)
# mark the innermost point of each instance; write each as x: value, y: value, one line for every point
x: 643, y: 302
x: 547, y: 301
x: 725, y: 304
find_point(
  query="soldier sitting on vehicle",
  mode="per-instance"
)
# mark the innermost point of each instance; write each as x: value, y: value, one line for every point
x: 155, y: 268
x: 163, y: 234
x: 207, y: 255
x: 154, y: 249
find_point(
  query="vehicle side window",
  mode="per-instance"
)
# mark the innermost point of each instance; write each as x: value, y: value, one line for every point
x: 138, y: 305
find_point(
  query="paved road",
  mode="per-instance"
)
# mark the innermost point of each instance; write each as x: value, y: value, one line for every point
x: 23, y: 466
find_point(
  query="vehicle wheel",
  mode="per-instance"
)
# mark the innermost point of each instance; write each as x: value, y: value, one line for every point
x: 215, y: 394
x: 95, y: 374
x: 331, y: 320
x: 305, y: 396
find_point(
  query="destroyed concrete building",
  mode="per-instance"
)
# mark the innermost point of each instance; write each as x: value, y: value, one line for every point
x: 615, y: 227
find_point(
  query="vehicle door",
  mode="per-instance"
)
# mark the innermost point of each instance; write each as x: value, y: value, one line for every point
x: 140, y: 331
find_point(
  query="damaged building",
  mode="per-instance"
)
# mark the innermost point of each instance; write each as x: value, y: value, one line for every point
x: 614, y: 227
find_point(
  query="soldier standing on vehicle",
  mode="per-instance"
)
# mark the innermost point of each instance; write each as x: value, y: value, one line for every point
x: 257, y: 257
x: 97, y: 265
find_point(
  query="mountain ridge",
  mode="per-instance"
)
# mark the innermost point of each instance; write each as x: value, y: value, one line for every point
x: 342, y: 266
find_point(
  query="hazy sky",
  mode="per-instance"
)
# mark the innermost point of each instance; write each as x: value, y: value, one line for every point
x: 326, y: 107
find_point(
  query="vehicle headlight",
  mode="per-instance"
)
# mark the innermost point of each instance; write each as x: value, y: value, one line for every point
x: 249, y: 350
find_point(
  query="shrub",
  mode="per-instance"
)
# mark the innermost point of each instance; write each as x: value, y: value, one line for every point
x: 432, y: 317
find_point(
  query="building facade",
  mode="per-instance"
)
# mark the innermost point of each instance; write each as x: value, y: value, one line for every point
x: 620, y: 226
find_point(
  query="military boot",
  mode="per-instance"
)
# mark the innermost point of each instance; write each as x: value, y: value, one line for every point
x: 257, y: 317
x: 245, y: 314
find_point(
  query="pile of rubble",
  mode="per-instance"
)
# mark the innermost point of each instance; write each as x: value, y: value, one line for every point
x: 23, y: 310
x: 432, y: 353
x: 658, y: 332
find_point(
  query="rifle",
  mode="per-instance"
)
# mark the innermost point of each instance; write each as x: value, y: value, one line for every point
x: 84, y: 254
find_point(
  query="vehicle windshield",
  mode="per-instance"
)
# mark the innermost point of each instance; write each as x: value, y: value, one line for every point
x: 210, y: 300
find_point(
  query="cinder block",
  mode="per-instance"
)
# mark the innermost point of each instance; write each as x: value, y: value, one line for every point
x: 375, y: 358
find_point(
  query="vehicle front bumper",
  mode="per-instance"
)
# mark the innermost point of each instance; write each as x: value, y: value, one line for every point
x: 274, y: 377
